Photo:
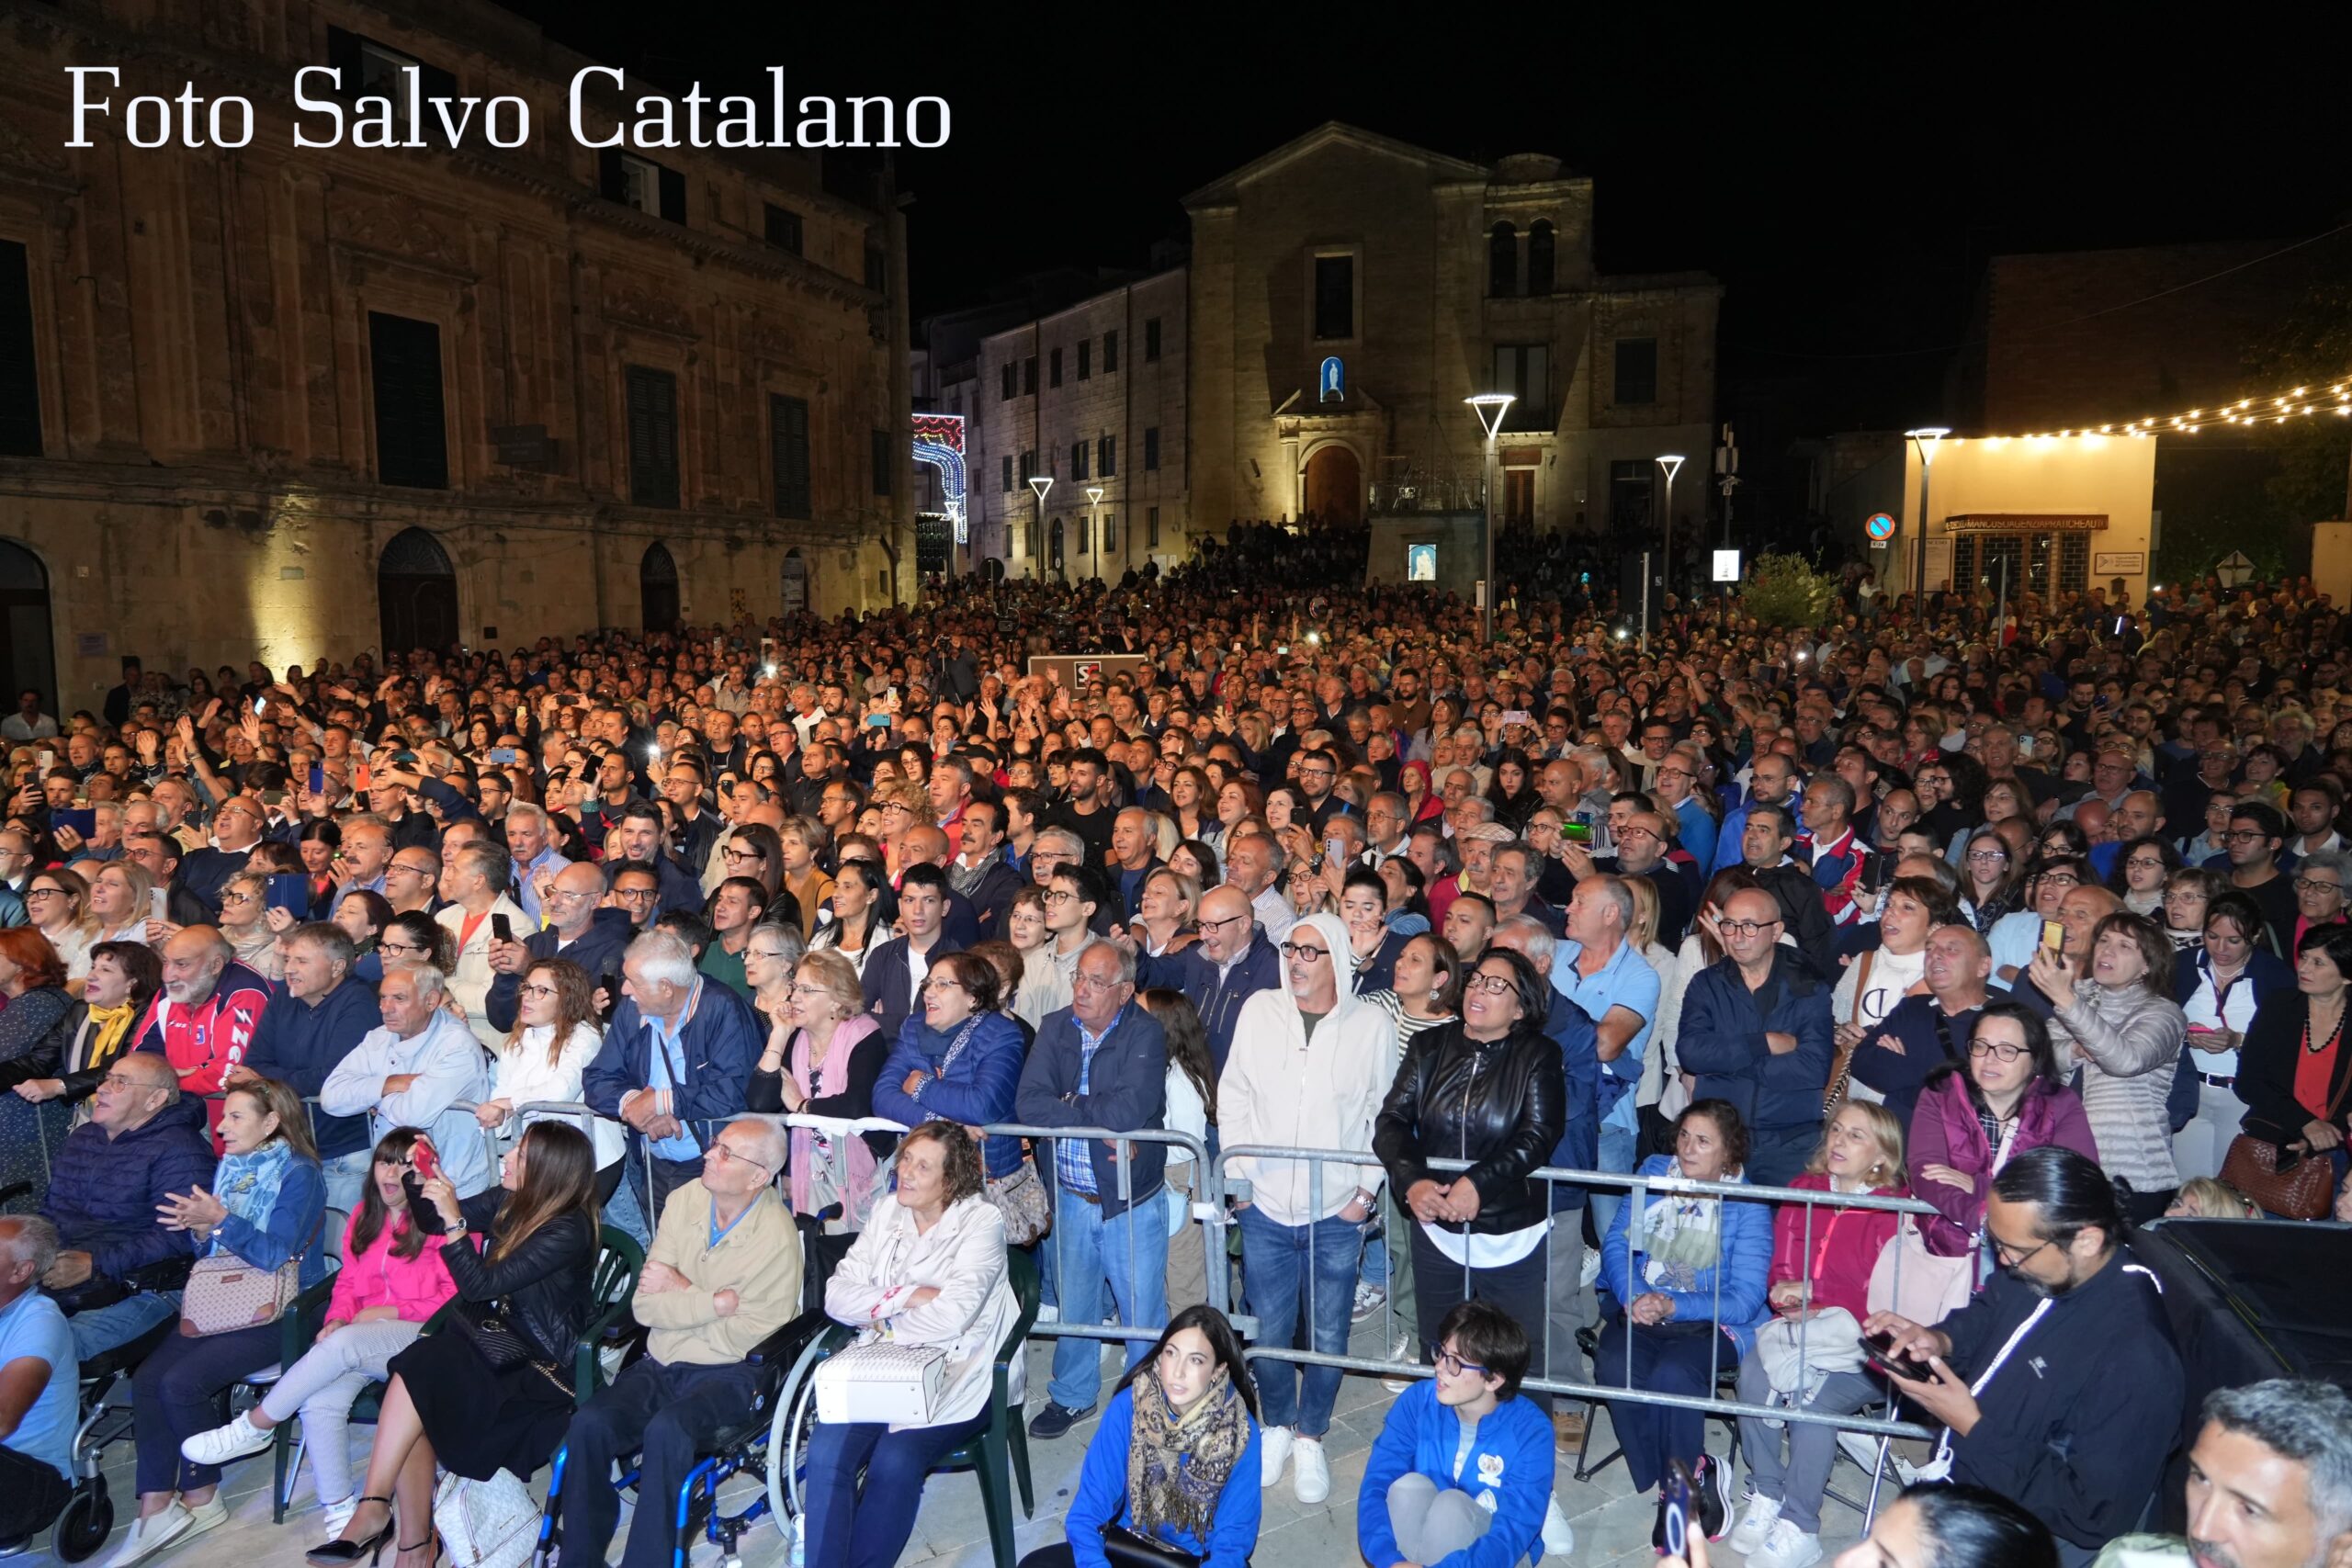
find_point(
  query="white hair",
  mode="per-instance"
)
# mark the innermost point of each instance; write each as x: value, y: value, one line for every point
x: 664, y: 959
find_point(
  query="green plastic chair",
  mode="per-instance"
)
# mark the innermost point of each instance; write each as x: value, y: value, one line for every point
x: 1006, y: 1436
x: 618, y: 1263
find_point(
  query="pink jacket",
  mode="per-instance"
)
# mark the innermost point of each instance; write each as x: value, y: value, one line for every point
x: 415, y: 1286
x: 1945, y: 1131
x: 1841, y: 1251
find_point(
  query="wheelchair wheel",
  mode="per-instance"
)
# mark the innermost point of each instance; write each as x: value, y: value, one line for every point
x: 87, y: 1521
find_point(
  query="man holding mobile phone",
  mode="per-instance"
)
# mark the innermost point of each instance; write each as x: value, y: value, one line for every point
x: 473, y: 880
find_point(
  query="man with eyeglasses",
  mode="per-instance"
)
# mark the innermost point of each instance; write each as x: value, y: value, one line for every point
x: 2014, y: 937
x: 120, y: 1271
x: 1309, y: 1070
x: 413, y: 1070
x: 2255, y: 835
x: 1233, y: 961
x: 412, y: 880
x: 325, y: 1013
x: 1101, y: 1063
x: 1921, y: 1032
x: 1642, y: 846
x: 635, y: 891
x: 2059, y: 1383
x: 236, y: 829
x: 1319, y: 770
x: 1757, y: 1031
x: 1772, y: 781
x: 1678, y: 785
x: 723, y: 1273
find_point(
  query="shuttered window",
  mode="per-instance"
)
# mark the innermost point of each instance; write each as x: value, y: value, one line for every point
x: 19, y: 370
x: 653, y: 438
x: 411, y: 436
x: 788, y: 447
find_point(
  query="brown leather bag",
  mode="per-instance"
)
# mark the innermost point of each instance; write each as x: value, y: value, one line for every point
x: 2301, y: 1187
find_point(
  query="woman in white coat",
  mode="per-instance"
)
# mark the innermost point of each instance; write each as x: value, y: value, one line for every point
x: 929, y: 1269
x: 554, y: 1038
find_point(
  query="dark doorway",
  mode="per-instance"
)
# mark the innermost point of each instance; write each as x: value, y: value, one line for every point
x: 657, y: 588
x: 417, y: 588
x: 1335, y: 485
x: 27, y: 657
x: 934, y: 544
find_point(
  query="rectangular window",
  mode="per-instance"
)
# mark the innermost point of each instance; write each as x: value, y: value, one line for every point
x: 1008, y: 473
x: 1078, y: 459
x: 368, y: 68
x: 1086, y: 359
x: 1110, y: 532
x: 1151, y: 449
x: 1524, y: 370
x: 1631, y: 494
x: 1012, y: 380
x: 1636, y: 367
x: 20, y: 367
x: 788, y: 453
x: 1106, y: 457
x: 1335, y: 296
x: 1082, y: 541
x: 653, y: 438
x: 653, y: 188
x: 411, y: 438
x: 1152, y: 340
x: 783, y: 228
x: 1110, y: 353
x: 1054, y: 368
x: 882, y: 463
x: 1028, y: 466
x: 1151, y: 529
x: 1029, y: 376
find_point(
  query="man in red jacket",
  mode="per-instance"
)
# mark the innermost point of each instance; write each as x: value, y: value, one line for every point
x: 205, y: 1017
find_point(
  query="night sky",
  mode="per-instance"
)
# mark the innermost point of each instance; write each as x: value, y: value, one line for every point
x: 1845, y: 183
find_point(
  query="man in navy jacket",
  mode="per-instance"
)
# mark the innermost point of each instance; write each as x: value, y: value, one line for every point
x: 1232, y: 961
x: 889, y: 979
x: 676, y: 1059
x: 308, y: 1028
x: 1101, y: 1062
x: 1756, y: 1030
x: 577, y: 930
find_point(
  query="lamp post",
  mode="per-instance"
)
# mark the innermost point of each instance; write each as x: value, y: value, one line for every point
x: 1041, y: 483
x: 1671, y: 462
x: 1924, y: 439
x: 1489, y: 407
x: 1094, y: 535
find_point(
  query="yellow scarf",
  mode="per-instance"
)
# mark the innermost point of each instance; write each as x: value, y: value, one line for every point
x: 109, y: 1030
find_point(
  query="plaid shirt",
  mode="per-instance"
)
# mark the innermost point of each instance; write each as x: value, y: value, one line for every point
x: 1073, y: 1162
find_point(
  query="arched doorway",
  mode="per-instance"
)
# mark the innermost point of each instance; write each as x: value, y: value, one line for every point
x: 796, y: 584
x: 657, y: 587
x: 26, y: 659
x: 1335, y: 485
x: 417, y: 588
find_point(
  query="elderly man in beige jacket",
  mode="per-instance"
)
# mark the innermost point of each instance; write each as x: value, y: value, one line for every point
x: 723, y: 1274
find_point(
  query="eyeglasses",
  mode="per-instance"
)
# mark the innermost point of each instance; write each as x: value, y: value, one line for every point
x: 118, y: 1082
x: 2011, y: 1257
x: 941, y: 983
x: 2246, y: 835
x: 1300, y: 950
x: 1634, y: 831
x: 2061, y: 879
x: 723, y: 1152
x: 249, y: 897
x: 1744, y: 927
x: 1453, y: 1366
x: 1207, y: 926
x: 396, y: 947
x: 1493, y: 985
x: 1988, y: 856
x: 2001, y: 1049
x: 32, y: 893
x: 733, y: 853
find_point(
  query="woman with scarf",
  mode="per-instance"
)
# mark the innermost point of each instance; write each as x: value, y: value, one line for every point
x: 265, y: 1208
x: 823, y: 1060
x: 124, y: 978
x: 959, y: 1061
x: 1175, y: 1460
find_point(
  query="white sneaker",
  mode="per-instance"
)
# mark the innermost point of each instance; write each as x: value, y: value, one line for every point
x: 209, y: 1516
x: 1590, y: 1270
x: 1756, y: 1522
x: 1310, y: 1473
x: 334, y: 1516
x: 149, y: 1536
x: 222, y: 1444
x: 1559, y: 1535
x: 1369, y: 1300
x: 1786, y: 1546
x: 1402, y: 1351
x: 1861, y: 1449
x: 1273, y: 1446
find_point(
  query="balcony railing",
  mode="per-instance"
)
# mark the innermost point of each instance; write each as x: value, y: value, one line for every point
x: 1430, y: 492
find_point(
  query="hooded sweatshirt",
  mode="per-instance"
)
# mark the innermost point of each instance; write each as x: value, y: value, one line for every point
x: 1282, y: 1086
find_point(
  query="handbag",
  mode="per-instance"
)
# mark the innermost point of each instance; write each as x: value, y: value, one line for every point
x: 2293, y: 1187
x: 1913, y: 1282
x: 1133, y: 1549
x: 491, y: 1329
x: 882, y: 1381
x: 486, y: 1524
x: 224, y: 1291
x: 1841, y: 1071
x: 1021, y: 1199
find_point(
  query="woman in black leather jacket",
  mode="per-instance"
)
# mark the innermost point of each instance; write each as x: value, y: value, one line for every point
x: 1487, y: 1090
x: 522, y: 1255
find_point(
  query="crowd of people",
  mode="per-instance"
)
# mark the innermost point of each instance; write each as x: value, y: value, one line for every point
x: 2042, y: 923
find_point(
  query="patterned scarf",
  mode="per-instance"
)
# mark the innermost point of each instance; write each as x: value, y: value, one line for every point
x: 827, y: 1075
x: 1178, y: 1465
x: 247, y: 1184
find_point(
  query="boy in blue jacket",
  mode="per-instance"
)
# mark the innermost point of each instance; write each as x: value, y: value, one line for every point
x: 1461, y: 1475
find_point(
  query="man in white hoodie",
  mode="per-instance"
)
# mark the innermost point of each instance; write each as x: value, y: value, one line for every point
x: 1309, y: 1070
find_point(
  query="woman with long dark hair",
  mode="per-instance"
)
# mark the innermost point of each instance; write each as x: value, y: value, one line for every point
x: 1175, y: 1460
x: 520, y: 1254
x: 541, y: 1061
x: 1974, y: 1116
x: 2295, y: 1073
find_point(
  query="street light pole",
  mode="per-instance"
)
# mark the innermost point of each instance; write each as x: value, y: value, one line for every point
x: 1094, y: 495
x: 1489, y: 407
x: 1041, y: 483
x: 1924, y: 439
x: 1671, y: 462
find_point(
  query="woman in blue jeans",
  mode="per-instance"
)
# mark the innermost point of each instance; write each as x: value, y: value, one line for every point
x: 1686, y: 1277
x: 265, y: 1206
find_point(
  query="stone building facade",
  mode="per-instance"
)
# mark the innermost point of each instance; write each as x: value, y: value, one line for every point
x: 293, y: 403
x: 1348, y: 291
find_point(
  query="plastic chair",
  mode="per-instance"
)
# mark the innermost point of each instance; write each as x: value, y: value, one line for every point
x: 618, y: 1263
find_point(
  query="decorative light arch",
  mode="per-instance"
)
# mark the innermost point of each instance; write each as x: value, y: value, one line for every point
x: 939, y: 441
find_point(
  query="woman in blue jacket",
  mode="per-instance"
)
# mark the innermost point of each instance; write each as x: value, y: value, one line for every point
x: 959, y: 1061
x: 1176, y: 1457
x: 1683, y: 1270
x: 265, y: 1207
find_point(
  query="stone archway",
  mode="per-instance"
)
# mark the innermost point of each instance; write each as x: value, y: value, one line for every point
x: 1334, y: 489
x: 657, y: 587
x: 27, y: 659
x: 417, y: 588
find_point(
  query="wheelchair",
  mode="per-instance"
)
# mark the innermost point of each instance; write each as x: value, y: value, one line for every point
x: 742, y: 1447
x: 87, y: 1517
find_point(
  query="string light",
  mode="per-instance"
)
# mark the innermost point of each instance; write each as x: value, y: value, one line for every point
x: 2299, y: 403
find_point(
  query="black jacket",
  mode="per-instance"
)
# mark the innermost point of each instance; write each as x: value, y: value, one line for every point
x: 607, y: 938
x: 2267, y: 1063
x: 1793, y: 889
x: 1501, y: 1105
x: 541, y: 1286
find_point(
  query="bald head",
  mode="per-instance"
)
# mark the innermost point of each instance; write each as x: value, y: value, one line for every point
x: 1225, y: 923
x: 923, y: 845
x: 193, y: 960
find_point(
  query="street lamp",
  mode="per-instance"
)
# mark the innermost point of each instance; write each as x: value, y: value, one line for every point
x: 1671, y: 462
x: 1489, y: 407
x: 1924, y: 439
x: 1094, y: 494
x: 1041, y: 483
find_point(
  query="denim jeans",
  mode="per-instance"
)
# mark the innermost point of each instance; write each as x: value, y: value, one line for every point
x: 102, y: 1328
x: 346, y: 1177
x: 1617, y: 1156
x: 1129, y: 1249
x: 855, y: 1523
x: 1290, y: 1273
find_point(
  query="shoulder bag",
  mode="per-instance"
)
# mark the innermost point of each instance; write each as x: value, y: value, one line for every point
x: 486, y: 1524
x: 2294, y: 1187
x: 1020, y: 1195
x: 1133, y: 1549
x: 224, y: 1291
